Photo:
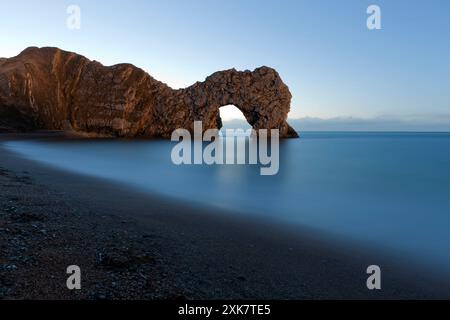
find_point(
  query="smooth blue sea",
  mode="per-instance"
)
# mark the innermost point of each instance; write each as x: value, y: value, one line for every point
x: 390, y: 190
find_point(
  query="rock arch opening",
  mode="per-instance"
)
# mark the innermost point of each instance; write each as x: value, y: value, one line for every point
x: 233, y: 118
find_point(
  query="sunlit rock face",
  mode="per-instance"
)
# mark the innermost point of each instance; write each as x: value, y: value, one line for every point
x: 51, y: 89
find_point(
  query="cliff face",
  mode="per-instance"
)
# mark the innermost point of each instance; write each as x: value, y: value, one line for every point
x: 47, y: 88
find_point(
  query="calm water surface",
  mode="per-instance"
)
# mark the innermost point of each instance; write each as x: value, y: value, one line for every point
x: 386, y: 189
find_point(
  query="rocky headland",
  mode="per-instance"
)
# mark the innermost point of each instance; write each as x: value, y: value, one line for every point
x: 51, y: 89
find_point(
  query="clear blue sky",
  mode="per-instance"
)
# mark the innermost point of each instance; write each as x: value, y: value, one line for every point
x: 334, y: 65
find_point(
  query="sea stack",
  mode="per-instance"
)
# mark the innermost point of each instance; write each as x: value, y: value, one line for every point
x: 51, y: 89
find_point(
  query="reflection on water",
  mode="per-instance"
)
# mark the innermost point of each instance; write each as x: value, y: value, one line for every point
x: 390, y: 189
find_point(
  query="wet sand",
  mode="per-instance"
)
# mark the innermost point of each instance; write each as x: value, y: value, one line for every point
x: 134, y: 245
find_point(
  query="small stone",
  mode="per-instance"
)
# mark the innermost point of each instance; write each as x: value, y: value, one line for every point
x: 11, y: 267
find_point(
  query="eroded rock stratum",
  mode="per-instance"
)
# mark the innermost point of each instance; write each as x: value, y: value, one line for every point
x: 51, y: 89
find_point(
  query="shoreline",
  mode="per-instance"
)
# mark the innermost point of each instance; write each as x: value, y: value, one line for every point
x: 134, y: 245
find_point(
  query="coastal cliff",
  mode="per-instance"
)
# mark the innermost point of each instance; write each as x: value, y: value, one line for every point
x: 51, y: 89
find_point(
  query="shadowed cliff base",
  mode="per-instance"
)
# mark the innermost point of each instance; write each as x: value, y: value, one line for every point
x: 51, y: 89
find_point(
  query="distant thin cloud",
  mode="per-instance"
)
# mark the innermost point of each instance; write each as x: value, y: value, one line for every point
x: 425, y: 122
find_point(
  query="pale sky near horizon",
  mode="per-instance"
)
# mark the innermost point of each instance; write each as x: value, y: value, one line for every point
x: 334, y: 65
